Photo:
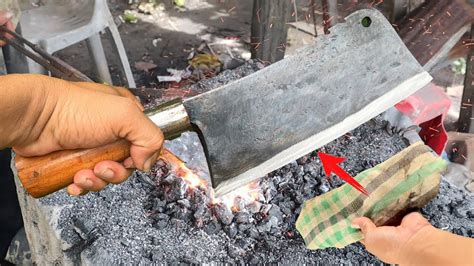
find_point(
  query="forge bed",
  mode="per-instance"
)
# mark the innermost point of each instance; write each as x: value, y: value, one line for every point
x: 160, y: 218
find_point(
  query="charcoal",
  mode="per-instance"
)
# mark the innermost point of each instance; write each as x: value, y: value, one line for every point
x: 244, y: 227
x: 287, y: 207
x: 158, y: 205
x: 223, y: 213
x: 275, y: 211
x: 178, y: 190
x: 185, y: 203
x: 231, y: 230
x: 169, y: 180
x: 243, y: 217
x: 202, y: 216
x: 239, y: 203
x: 265, y: 208
x: 254, y: 207
x: 253, y: 233
x: 213, y: 227
x: 270, y: 192
x: 182, y: 214
x: 245, y: 243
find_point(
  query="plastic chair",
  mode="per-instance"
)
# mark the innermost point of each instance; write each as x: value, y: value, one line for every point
x: 57, y: 26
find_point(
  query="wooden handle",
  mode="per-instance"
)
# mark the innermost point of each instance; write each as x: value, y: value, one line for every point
x: 43, y: 175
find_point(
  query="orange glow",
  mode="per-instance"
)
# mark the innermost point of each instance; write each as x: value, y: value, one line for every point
x: 247, y: 194
x: 182, y: 170
x: 191, y: 178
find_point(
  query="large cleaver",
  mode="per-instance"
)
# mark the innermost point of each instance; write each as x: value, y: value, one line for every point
x: 261, y: 122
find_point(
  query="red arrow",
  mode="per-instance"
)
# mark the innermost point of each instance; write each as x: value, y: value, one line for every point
x: 331, y: 165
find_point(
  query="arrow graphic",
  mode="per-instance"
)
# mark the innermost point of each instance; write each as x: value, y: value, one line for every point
x: 331, y: 165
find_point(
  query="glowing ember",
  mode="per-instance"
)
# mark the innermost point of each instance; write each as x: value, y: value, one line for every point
x: 243, y: 196
x: 246, y: 195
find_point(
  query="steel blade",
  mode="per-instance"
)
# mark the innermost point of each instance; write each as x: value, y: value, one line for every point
x: 262, y: 122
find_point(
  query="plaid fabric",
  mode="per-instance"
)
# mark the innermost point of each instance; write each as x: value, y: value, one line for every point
x: 325, y: 221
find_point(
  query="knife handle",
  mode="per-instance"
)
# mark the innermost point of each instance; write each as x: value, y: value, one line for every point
x: 43, y: 175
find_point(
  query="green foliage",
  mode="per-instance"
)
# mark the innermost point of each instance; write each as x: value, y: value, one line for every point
x: 179, y: 3
x: 129, y: 16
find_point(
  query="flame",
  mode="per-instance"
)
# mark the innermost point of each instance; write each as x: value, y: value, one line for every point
x: 246, y: 194
x: 242, y: 196
x: 181, y: 170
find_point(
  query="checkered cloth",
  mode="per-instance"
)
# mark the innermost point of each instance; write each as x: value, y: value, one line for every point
x: 325, y: 221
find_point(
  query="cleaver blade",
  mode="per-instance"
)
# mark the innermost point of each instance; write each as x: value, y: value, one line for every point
x: 257, y: 124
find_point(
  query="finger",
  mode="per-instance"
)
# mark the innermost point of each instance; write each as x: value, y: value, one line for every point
x: 128, y: 163
x: 144, y: 157
x: 124, y: 92
x: 365, y: 224
x: 87, y: 180
x: 75, y: 191
x: 113, y: 90
x: 112, y: 172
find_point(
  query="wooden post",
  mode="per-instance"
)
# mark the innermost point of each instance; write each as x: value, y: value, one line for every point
x: 269, y: 29
x: 466, y: 115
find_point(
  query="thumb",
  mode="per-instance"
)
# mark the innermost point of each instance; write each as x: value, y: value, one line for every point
x: 5, y: 17
x: 364, y: 224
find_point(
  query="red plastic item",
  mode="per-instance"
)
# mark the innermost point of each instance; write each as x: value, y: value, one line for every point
x: 428, y: 108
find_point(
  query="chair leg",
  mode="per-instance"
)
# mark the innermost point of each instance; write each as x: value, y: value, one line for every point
x: 94, y: 44
x: 122, y: 53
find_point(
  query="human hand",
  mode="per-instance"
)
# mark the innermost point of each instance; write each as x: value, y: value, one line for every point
x: 390, y: 242
x: 5, y: 20
x: 73, y: 115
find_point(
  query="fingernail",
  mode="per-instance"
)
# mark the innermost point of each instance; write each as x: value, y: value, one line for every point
x: 107, y: 173
x: 73, y: 193
x: 355, y: 226
x: 87, y: 183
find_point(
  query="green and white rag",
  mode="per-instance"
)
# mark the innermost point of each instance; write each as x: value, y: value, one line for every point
x: 412, y: 175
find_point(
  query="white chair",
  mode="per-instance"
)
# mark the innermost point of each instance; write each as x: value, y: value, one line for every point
x: 57, y: 26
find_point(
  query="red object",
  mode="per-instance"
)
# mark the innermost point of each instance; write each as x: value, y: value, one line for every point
x: 428, y: 108
x: 331, y: 165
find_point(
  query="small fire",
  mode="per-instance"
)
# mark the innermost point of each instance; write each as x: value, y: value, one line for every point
x: 241, y: 197
x: 180, y: 168
x: 235, y: 200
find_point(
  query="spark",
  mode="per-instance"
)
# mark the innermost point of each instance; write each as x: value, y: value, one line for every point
x: 434, y: 129
x: 464, y: 157
x: 449, y: 14
x: 231, y: 9
x: 222, y: 19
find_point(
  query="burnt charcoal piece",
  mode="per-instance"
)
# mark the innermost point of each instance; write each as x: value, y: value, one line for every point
x: 178, y: 190
x: 162, y: 220
x: 183, y: 214
x: 202, y: 216
x: 223, y: 213
x: 158, y: 205
x: 184, y: 203
x: 213, y: 227
x: 287, y: 207
x: 244, y: 227
x: 275, y: 211
x: 243, y: 217
x: 231, y: 230
x: 254, y: 207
